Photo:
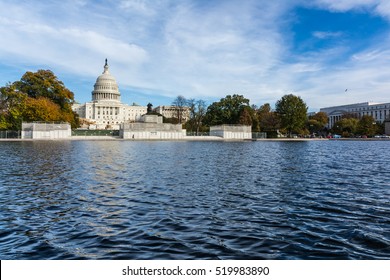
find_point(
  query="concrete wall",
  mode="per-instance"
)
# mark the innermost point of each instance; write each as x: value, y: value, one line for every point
x: 231, y: 131
x: 151, y: 119
x: 151, y: 131
x: 46, y: 131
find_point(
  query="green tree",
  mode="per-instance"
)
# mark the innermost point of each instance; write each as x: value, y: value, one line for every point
x: 346, y: 127
x: 12, y: 104
x: 246, y: 117
x: 3, y: 122
x: 263, y: 110
x: 255, y: 119
x: 226, y: 111
x: 270, y: 122
x: 317, y: 122
x: 367, y: 126
x: 293, y: 113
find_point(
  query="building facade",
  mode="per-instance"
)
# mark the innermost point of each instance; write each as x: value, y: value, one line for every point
x: 379, y: 111
x: 173, y: 112
x: 106, y: 111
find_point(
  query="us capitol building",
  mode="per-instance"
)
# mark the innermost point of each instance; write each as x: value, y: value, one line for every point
x: 106, y: 111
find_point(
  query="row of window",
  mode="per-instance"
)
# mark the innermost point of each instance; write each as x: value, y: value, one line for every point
x: 371, y: 108
x: 377, y: 115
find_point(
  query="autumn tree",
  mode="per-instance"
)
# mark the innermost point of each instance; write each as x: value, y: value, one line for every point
x: 38, y: 96
x: 41, y: 109
x: 44, y: 83
x: 293, y: 113
x: 269, y: 120
x: 317, y: 122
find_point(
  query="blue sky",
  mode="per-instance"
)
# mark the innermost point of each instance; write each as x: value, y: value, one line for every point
x: 160, y: 49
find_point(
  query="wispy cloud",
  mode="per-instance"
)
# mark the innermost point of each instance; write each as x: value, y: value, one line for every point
x: 346, y: 5
x: 327, y: 34
x: 380, y: 7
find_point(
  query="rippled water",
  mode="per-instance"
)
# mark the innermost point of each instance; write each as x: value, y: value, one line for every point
x: 194, y: 200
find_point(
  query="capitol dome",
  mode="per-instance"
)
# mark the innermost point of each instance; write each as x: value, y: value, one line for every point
x: 106, y: 88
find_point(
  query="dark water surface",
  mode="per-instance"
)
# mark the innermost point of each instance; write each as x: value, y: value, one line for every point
x: 194, y: 200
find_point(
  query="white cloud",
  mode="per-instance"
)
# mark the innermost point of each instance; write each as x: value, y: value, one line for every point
x: 44, y: 44
x: 383, y: 8
x: 380, y: 7
x: 364, y: 74
x: 138, y: 6
x: 346, y: 5
x: 327, y: 34
x: 371, y: 55
x: 220, y: 49
x: 194, y: 48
